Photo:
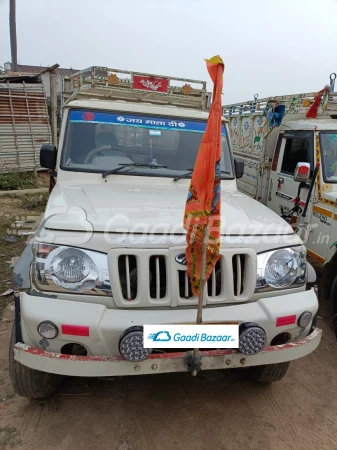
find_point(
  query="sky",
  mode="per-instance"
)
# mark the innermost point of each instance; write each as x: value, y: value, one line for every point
x: 269, y: 47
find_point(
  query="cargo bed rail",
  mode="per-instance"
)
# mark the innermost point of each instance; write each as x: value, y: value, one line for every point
x: 294, y: 104
x: 116, y: 84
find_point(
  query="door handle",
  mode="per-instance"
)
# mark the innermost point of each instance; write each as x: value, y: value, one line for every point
x: 280, y: 180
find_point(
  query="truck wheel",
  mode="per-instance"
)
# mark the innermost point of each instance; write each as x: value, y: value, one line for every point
x: 334, y: 304
x: 28, y: 382
x: 326, y: 282
x: 270, y: 372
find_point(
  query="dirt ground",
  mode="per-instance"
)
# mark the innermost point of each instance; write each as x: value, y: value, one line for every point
x: 216, y: 410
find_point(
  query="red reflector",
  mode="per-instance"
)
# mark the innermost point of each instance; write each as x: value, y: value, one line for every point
x: 75, y: 330
x: 285, y: 320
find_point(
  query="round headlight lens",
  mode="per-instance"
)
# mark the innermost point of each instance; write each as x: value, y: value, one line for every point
x: 282, y: 268
x: 304, y: 319
x: 48, y: 329
x: 73, y: 269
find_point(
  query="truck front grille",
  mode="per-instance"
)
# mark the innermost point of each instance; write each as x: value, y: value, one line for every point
x: 157, y: 279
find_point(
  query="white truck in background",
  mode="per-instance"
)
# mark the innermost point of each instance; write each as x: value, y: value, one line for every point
x: 109, y: 258
x: 274, y: 136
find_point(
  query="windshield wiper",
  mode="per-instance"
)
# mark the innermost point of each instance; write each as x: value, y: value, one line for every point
x: 186, y: 174
x: 123, y: 166
x: 190, y: 171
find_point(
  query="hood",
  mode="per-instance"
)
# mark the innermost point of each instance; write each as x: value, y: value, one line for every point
x: 152, y: 209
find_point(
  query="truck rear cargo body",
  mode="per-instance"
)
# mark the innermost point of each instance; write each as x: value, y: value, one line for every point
x: 272, y: 147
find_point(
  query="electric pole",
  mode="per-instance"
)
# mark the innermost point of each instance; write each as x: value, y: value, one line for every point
x: 12, y: 32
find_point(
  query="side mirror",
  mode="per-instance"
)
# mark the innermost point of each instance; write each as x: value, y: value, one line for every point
x: 302, y: 172
x: 239, y: 166
x: 48, y: 155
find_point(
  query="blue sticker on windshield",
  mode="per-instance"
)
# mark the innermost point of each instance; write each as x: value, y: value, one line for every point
x: 138, y: 121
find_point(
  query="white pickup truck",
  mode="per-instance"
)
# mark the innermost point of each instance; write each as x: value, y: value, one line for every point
x: 273, y: 135
x: 108, y: 256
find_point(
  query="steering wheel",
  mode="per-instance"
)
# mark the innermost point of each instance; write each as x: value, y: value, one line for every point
x: 103, y: 148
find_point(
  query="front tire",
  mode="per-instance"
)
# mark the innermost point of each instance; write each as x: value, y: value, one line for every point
x: 28, y: 382
x: 269, y: 372
x: 334, y: 304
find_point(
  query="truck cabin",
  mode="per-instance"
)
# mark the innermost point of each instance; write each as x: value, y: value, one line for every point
x: 150, y: 124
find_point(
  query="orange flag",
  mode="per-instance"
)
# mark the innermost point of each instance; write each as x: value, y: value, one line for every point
x: 203, y: 199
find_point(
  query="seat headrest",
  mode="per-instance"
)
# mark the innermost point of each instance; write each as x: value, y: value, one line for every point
x: 106, y: 139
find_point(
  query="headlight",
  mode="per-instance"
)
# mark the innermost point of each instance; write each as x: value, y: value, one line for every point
x: 280, y: 269
x: 60, y: 268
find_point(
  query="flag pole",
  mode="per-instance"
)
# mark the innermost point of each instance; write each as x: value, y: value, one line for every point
x: 203, y: 275
x: 202, y: 284
x: 204, y: 201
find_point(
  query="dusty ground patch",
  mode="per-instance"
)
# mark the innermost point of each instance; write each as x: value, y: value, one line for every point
x: 10, y: 210
x: 9, y: 437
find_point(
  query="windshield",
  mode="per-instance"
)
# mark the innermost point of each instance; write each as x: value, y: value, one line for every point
x: 100, y: 141
x: 329, y: 156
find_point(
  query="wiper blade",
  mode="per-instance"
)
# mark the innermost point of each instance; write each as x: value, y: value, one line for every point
x: 186, y: 174
x: 109, y: 172
x: 123, y: 166
x: 190, y: 171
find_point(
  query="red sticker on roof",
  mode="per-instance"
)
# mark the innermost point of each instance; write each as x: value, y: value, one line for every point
x: 154, y: 84
x: 88, y: 116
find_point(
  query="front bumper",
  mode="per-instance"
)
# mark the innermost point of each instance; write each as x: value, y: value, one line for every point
x: 106, y: 326
x: 103, y: 366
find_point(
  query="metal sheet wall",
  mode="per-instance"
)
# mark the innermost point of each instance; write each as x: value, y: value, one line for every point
x: 24, y: 125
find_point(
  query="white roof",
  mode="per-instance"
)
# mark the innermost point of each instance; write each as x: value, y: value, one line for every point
x: 140, y: 108
x: 312, y: 124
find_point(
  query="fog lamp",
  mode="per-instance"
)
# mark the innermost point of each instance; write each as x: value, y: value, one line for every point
x: 47, y: 329
x: 131, y: 345
x: 252, y: 338
x: 304, y: 319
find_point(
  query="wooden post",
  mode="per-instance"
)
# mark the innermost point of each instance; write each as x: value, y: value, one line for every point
x: 53, y: 106
x: 53, y: 112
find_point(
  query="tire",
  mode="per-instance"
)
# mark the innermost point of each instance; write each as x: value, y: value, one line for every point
x: 334, y: 304
x: 326, y: 282
x: 270, y: 372
x: 28, y: 382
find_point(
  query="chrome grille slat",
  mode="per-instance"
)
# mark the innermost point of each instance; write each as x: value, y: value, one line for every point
x: 213, y: 283
x: 238, y: 274
x: 186, y: 285
x: 127, y: 270
x: 157, y: 278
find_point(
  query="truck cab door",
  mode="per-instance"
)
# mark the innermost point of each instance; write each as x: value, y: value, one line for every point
x: 293, y: 147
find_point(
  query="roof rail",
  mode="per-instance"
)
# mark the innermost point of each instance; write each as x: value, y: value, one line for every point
x: 295, y: 104
x: 108, y: 83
